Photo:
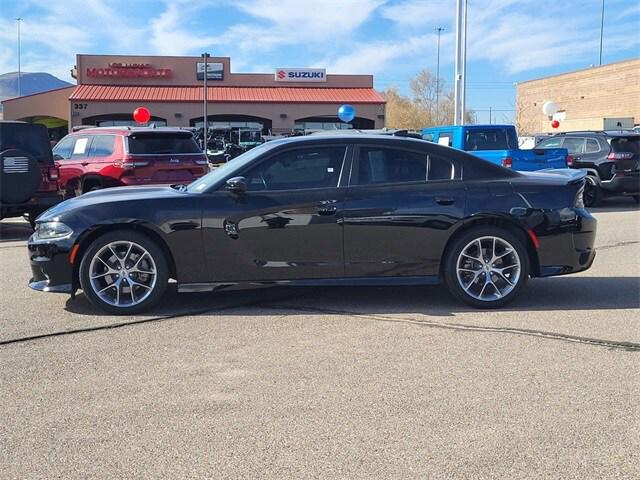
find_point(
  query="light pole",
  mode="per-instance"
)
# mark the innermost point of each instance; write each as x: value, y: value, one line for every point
x: 601, y: 30
x: 439, y: 30
x: 19, y: 20
x: 205, y: 56
x: 459, y: 85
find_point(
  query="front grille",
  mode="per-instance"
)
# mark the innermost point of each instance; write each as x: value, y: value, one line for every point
x: 15, y: 165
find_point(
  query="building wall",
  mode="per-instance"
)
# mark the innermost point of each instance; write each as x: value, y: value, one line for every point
x: 54, y: 103
x: 188, y: 110
x: 586, y: 96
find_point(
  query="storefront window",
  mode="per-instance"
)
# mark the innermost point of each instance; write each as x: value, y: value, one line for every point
x: 305, y: 126
x: 213, y: 124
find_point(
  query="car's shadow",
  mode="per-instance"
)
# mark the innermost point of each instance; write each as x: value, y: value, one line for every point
x: 616, y: 204
x: 14, y: 231
x: 552, y: 294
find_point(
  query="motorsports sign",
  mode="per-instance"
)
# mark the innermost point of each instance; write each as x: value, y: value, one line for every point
x: 301, y: 75
x: 129, y: 70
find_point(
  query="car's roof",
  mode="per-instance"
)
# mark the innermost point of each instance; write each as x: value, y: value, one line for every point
x: 469, y: 126
x: 607, y: 133
x: 351, y: 138
x: 129, y: 130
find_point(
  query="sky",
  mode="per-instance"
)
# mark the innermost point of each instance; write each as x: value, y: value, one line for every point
x: 508, y: 40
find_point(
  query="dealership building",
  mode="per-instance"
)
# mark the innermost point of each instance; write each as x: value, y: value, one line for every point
x: 110, y: 87
x: 606, y: 97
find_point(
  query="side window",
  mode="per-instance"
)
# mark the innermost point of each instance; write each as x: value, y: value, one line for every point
x: 428, y: 137
x: 440, y: 169
x: 300, y: 169
x: 592, y: 146
x: 63, y: 149
x: 81, y: 147
x: 554, y: 142
x: 446, y: 139
x: 387, y: 165
x: 102, y: 146
x: 574, y: 144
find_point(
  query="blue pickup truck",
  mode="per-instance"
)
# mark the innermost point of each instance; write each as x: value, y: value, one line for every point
x: 497, y: 144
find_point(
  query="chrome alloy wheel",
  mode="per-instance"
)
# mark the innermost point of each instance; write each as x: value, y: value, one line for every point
x: 488, y: 268
x: 122, y: 274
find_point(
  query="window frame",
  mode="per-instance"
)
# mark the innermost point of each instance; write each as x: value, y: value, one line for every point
x: 584, y: 144
x: 355, y: 167
x: 346, y: 160
x: 597, y: 143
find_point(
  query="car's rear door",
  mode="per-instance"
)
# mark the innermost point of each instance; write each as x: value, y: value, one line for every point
x: 400, y: 205
x: 287, y: 226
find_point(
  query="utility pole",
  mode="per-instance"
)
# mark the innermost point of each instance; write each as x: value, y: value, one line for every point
x: 489, y: 115
x: 439, y: 30
x: 19, y: 20
x: 206, y: 115
x: 459, y: 83
x: 601, y: 30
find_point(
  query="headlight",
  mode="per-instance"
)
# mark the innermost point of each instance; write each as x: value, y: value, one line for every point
x: 47, y: 230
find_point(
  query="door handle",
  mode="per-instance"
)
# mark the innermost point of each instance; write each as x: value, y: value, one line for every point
x: 327, y: 207
x: 444, y: 200
x: 84, y: 164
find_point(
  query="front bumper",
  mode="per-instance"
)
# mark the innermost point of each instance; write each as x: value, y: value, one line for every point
x: 51, y: 270
x: 567, y: 246
x: 627, y: 184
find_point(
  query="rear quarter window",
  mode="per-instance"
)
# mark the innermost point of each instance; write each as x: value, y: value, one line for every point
x: 161, y: 144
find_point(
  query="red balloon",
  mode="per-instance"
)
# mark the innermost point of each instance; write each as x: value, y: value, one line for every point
x: 141, y: 115
x: 555, y: 124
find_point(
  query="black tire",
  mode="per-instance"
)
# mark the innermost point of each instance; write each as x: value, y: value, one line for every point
x: 156, y: 290
x: 453, y: 255
x: 592, y: 192
x: 91, y: 186
x: 19, y: 176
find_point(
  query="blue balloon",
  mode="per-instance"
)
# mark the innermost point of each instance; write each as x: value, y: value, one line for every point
x: 346, y: 113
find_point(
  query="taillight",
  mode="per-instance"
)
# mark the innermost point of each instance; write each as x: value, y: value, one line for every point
x: 579, y: 203
x: 570, y: 160
x: 507, y: 162
x: 620, y: 156
x: 129, y: 162
x: 53, y: 173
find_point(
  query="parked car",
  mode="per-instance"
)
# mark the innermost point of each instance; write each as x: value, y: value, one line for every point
x: 321, y: 210
x: 28, y: 175
x: 498, y: 144
x: 611, y: 159
x: 101, y: 157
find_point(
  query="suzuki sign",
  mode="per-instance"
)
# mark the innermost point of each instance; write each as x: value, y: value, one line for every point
x: 301, y: 75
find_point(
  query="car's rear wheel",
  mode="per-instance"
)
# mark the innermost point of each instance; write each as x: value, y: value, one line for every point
x: 592, y: 192
x: 124, y: 272
x: 486, y: 267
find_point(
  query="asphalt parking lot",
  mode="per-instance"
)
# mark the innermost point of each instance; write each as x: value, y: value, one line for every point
x: 329, y: 382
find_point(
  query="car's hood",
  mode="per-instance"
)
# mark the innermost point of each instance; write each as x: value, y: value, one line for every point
x: 110, y: 195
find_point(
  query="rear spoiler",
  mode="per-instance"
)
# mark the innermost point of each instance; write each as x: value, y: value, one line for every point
x: 572, y: 175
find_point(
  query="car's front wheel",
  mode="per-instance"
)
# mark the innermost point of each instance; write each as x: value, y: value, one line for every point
x: 123, y: 272
x: 486, y: 267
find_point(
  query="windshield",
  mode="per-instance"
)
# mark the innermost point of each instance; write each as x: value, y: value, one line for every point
x: 250, y: 136
x: 204, y: 183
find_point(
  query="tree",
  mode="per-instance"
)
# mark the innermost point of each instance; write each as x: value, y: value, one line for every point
x: 419, y: 110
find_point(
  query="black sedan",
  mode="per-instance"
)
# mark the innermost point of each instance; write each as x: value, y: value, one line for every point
x: 321, y: 210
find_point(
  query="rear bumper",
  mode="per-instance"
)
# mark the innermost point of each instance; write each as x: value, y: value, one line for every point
x: 628, y: 184
x: 570, y: 247
x: 50, y: 267
x: 40, y: 202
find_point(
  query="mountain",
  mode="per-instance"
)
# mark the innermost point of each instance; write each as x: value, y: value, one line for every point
x: 29, y: 83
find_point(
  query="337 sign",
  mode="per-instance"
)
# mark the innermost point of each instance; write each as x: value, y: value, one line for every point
x: 80, y: 106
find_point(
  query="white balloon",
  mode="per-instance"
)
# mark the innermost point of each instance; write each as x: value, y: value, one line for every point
x: 549, y: 107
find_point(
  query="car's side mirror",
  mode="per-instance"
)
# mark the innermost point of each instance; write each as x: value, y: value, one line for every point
x: 57, y: 157
x: 237, y: 184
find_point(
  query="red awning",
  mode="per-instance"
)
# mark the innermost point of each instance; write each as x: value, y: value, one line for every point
x: 122, y: 93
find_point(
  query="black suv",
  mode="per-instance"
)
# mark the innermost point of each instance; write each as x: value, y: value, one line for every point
x: 28, y: 176
x: 611, y: 159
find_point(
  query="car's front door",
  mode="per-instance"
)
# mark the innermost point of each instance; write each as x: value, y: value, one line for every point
x: 398, y: 211
x: 286, y: 226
